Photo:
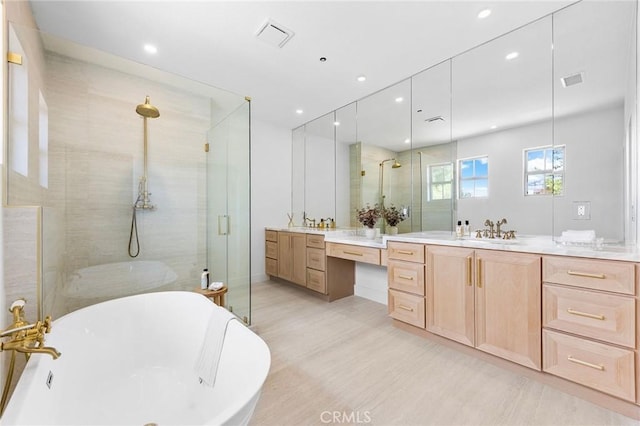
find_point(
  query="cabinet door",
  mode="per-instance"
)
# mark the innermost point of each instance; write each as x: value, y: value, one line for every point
x: 299, y: 259
x: 508, y: 300
x: 450, y: 293
x: 284, y: 255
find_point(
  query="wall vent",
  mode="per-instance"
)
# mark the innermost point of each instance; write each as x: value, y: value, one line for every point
x: 572, y: 80
x: 274, y: 34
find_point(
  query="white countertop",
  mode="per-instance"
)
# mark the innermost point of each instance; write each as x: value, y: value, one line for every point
x: 523, y: 243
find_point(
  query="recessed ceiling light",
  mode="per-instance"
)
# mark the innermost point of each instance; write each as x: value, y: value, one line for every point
x: 361, y: 78
x: 407, y: 140
x: 399, y: 99
x: 484, y: 13
x: 323, y: 59
x: 336, y: 123
x: 151, y: 49
x: 493, y: 127
x: 511, y: 56
x: 299, y: 111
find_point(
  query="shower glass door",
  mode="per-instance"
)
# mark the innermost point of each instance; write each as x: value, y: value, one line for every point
x: 228, y: 209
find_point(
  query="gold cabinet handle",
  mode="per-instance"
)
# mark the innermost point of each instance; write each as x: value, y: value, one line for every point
x: 479, y: 273
x: 586, y: 274
x: 469, y: 278
x: 406, y: 277
x: 410, y: 253
x: 406, y: 308
x: 585, y: 363
x: 585, y: 314
x: 353, y: 253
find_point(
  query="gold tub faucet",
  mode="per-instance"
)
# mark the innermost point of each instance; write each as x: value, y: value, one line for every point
x: 24, y: 337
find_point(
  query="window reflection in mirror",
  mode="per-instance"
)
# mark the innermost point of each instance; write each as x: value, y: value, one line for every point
x: 501, y: 106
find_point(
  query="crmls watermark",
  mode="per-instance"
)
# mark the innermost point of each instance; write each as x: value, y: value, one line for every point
x: 351, y: 417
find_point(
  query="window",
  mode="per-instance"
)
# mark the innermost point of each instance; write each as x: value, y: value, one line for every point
x: 544, y: 171
x: 474, y: 177
x: 440, y: 181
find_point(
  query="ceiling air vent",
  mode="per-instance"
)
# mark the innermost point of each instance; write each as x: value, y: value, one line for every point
x: 436, y: 118
x: 572, y: 80
x: 274, y: 34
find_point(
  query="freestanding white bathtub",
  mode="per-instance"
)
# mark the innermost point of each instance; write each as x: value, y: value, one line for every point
x: 131, y: 361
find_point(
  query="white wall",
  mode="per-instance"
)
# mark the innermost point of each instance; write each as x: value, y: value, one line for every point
x: 270, y: 187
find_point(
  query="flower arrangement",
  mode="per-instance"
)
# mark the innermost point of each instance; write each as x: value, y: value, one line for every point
x: 368, y: 216
x: 393, y: 216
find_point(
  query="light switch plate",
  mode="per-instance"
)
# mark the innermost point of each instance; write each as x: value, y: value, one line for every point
x: 581, y: 210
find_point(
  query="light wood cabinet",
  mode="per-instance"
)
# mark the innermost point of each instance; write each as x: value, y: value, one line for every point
x: 590, y: 323
x: 603, y: 367
x: 316, y: 264
x: 292, y: 249
x: 486, y: 299
x: 508, y: 300
x: 271, y: 253
x: 405, y: 277
x: 450, y: 293
x: 355, y: 253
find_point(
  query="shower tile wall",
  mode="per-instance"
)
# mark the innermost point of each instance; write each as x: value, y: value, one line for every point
x: 96, y: 160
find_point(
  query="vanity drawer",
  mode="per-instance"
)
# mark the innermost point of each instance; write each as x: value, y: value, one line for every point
x: 595, y: 274
x: 271, y: 267
x: 406, y: 251
x: 407, y: 308
x: 406, y: 276
x: 271, y: 250
x: 315, y: 258
x: 316, y: 281
x: 606, y: 368
x: 271, y: 235
x: 316, y: 241
x: 353, y: 252
x: 606, y: 317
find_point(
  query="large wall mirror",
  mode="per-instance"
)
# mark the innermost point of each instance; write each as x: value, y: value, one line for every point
x: 536, y: 126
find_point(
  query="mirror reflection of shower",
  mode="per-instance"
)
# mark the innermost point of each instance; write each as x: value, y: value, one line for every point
x: 143, y: 202
x: 395, y: 165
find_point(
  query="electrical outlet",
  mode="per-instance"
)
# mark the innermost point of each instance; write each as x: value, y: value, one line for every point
x: 581, y: 210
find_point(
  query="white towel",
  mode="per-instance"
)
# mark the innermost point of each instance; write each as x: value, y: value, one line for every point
x: 207, y: 364
x: 572, y: 236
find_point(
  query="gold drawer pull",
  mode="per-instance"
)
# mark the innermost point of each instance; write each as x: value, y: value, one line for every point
x: 479, y: 273
x: 586, y: 274
x: 585, y: 363
x: 353, y: 253
x: 408, y: 252
x: 469, y: 278
x: 406, y: 277
x: 406, y: 308
x: 585, y: 314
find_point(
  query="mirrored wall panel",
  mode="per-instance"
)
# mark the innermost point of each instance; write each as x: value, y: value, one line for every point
x: 536, y: 127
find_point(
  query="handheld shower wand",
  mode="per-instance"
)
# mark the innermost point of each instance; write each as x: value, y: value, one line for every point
x: 145, y: 110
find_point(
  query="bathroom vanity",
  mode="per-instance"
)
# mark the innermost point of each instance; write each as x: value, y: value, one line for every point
x: 568, y: 312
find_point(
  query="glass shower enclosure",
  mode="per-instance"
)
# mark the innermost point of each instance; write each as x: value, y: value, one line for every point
x: 75, y: 153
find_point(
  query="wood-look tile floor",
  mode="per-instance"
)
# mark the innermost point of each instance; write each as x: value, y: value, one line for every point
x: 345, y: 363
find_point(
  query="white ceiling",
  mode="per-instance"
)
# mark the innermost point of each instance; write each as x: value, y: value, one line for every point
x: 214, y: 42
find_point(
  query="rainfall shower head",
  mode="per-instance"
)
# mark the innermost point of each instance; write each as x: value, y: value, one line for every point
x: 395, y: 164
x: 147, y: 110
